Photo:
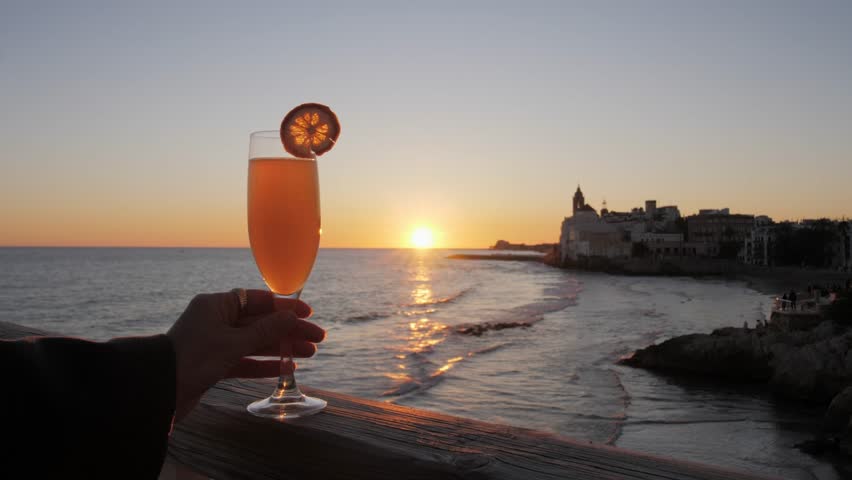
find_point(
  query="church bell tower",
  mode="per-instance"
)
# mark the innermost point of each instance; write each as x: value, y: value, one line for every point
x: 579, y: 200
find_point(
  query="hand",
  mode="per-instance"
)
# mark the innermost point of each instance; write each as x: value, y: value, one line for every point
x: 212, y: 337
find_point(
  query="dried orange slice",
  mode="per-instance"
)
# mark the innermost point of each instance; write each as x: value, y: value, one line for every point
x: 310, y: 127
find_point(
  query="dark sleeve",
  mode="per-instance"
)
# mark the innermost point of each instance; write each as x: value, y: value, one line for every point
x: 80, y: 409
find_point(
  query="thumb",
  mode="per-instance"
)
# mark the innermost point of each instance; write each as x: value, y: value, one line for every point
x: 265, y: 331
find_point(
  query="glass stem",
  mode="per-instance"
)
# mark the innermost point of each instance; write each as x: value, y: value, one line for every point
x: 288, y: 389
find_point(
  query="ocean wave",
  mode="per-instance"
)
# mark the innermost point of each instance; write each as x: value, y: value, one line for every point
x: 621, y: 416
x: 489, y: 349
x: 696, y: 421
x: 568, y: 289
x: 449, y: 299
x: 411, y: 385
x: 366, y: 317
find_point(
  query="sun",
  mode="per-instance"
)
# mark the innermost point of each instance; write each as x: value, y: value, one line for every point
x: 422, y: 237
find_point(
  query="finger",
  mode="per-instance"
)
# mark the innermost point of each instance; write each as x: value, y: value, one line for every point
x: 248, y: 320
x: 300, y: 308
x: 270, y: 330
x: 301, y: 349
x: 250, y: 368
x: 259, y: 302
x: 230, y: 303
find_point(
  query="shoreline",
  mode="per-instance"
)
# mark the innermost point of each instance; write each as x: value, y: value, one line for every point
x: 776, y: 280
x: 505, y: 257
x: 766, y: 280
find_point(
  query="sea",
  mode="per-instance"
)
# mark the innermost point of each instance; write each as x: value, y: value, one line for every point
x: 512, y: 342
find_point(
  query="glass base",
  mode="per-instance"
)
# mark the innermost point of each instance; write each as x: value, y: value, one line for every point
x: 286, y: 408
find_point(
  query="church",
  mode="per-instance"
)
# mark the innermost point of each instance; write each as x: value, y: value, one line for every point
x: 584, y: 234
x: 580, y: 204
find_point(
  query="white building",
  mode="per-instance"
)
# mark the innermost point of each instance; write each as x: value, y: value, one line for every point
x: 584, y: 234
x: 757, y: 246
x: 758, y: 243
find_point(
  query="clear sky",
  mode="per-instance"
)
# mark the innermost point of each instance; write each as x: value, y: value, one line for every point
x: 128, y: 125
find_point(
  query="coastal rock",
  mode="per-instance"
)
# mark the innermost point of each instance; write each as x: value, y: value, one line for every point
x: 835, y: 435
x: 813, y: 365
x: 838, y: 415
x: 478, y: 329
x: 728, y: 352
x: 815, y: 371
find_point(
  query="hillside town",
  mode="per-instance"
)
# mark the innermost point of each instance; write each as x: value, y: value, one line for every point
x: 661, y: 234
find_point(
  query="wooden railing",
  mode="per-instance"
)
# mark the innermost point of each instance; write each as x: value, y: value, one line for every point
x: 355, y: 438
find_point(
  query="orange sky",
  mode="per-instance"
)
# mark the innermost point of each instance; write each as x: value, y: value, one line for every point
x: 479, y: 124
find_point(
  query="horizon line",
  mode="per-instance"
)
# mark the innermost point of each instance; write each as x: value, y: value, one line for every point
x: 236, y: 247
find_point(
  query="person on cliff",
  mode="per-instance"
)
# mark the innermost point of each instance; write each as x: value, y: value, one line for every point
x: 792, y: 298
x: 81, y: 409
x: 784, y: 302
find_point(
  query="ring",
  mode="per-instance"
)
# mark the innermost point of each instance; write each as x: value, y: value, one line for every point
x: 242, y: 298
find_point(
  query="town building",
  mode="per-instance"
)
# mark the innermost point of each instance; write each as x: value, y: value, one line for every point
x: 758, y: 246
x: 722, y: 233
x: 759, y: 243
x: 641, y: 220
x: 669, y: 245
x: 714, y: 211
x: 584, y: 234
x: 668, y: 214
x: 847, y: 247
x: 820, y: 243
x: 612, y: 234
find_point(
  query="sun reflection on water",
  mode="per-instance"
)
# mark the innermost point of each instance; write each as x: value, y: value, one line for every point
x: 414, y: 368
x: 421, y: 294
x: 424, y: 334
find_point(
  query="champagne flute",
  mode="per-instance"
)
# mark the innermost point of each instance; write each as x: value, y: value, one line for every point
x: 284, y: 232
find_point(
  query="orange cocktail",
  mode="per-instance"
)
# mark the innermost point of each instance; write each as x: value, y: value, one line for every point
x: 284, y: 220
x: 284, y: 228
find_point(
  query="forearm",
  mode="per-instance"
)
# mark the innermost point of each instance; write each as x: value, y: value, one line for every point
x: 75, y: 406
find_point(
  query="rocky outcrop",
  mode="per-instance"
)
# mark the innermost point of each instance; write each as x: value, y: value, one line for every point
x: 839, y: 413
x: 728, y: 352
x: 478, y: 329
x: 836, y: 433
x: 813, y: 365
x: 815, y: 371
